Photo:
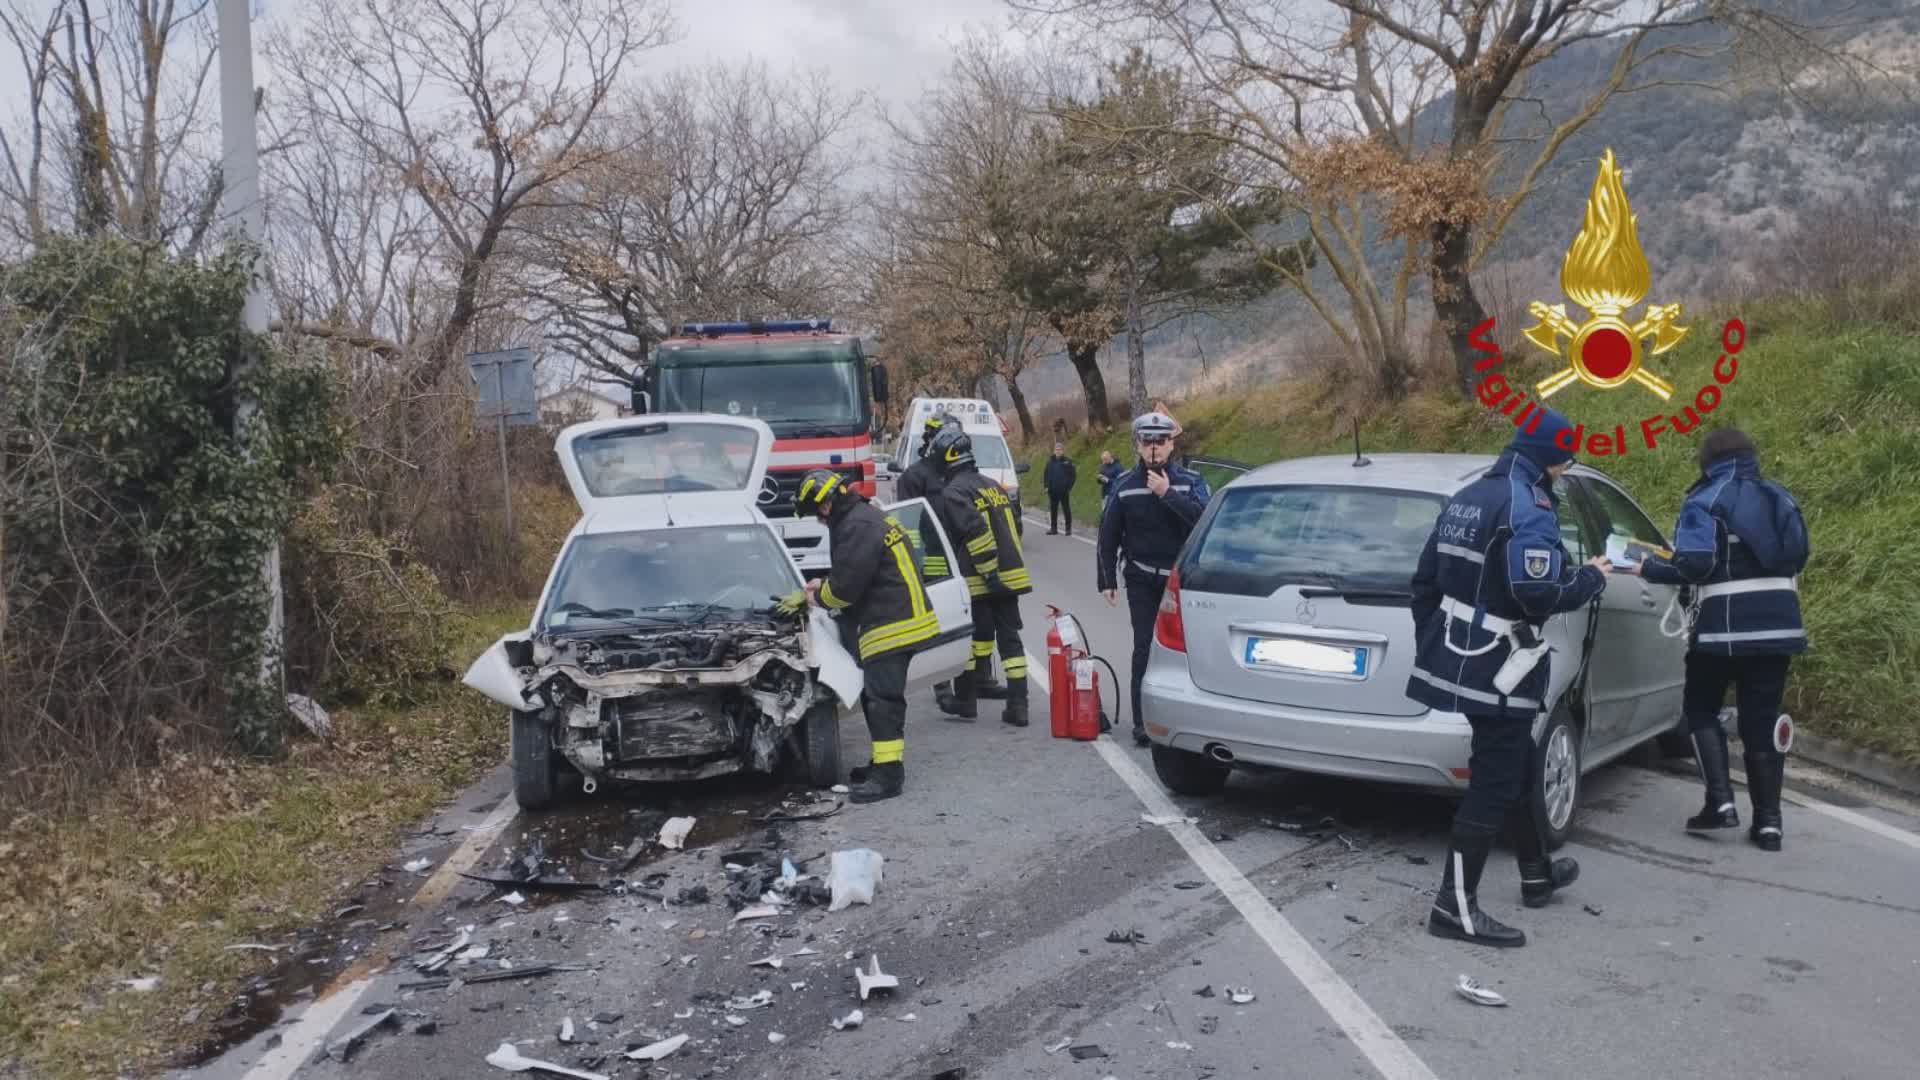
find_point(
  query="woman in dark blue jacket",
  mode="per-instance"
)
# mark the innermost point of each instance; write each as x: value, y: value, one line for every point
x: 1740, y: 545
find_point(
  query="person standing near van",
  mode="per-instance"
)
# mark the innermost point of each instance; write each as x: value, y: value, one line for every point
x: 983, y: 522
x: 1147, y: 518
x: 1740, y: 544
x: 1059, y: 479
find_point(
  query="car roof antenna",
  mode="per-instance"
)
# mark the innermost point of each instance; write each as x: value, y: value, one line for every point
x: 1360, y: 461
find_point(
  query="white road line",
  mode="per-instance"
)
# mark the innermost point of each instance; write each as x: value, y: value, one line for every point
x: 1082, y: 539
x: 1383, y: 1048
x: 1842, y: 814
x: 298, y: 1043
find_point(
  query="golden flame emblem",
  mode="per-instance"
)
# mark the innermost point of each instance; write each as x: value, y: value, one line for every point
x: 1606, y: 273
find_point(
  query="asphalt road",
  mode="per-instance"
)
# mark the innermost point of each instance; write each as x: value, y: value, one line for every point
x: 1013, y: 857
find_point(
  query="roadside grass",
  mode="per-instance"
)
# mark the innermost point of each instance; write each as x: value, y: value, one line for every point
x: 1835, y: 409
x: 170, y: 865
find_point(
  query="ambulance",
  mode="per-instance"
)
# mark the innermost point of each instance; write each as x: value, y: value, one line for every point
x: 982, y: 425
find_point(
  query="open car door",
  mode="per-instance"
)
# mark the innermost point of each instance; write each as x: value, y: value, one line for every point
x: 946, y: 591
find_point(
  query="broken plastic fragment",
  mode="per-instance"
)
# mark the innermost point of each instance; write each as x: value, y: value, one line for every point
x: 841, y: 789
x: 759, y: 1000
x: 807, y: 951
x: 674, y: 833
x: 1086, y: 1051
x: 1474, y: 992
x: 1239, y: 995
x: 852, y: 1020
x: 910, y: 1018
x: 776, y: 1038
x: 508, y: 1057
x: 757, y: 911
x: 249, y: 946
x: 476, y: 952
x: 566, y: 1029
x: 417, y: 865
x: 853, y: 876
x: 737, y: 1021
x: 1059, y: 1046
x: 142, y: 985
x: 659, y: 1050
x: 873, y: 978
x: 767, y: 961
x: 1179, y: 1046
x: 797, y: 986
x: 685, y: 1014
x: 514, y: 899
x: 1167, y: 819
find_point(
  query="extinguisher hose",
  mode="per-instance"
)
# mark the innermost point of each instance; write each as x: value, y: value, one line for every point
x: 1119, y: 701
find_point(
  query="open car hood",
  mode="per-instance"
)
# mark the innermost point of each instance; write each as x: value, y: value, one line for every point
x: 691, y: 464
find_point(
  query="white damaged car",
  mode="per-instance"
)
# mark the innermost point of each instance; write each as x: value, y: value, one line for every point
x: 656, y: 650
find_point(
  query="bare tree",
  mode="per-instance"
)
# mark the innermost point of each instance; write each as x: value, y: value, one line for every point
x: 478, y: 107
x: 713, y: 194
x: 1328, y: 94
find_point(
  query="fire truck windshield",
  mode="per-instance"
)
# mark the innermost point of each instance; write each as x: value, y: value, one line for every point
x: 795, y: 391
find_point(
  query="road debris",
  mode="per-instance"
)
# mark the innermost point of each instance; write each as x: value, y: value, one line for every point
x: 342, y: 1048
x: 1183, y: 885
x: 1474, y: 992
x: 1179, y: 1046
x: 1205, y: 991
x: 1240, y: 995
x: 566, y: 1029
x: 774, y: 962
x: 673, y: 834
x: 1590, y: 909
x: 145, y: 984
x: 805, y: 950
x: 736, y: 1021
x: 779, y: 817
x: 311, y: 715
x: 873, y: 978
x: 840, y: 789
x: 552, y: 885
x: 959, y: 1073
x: 693, y: 895
x: 757, y: 911
x: 1128, y: 936
x: 1086, y: 1051
x: 776, y: 1038
x: 1059, y: 1046
x: 759, y: 1000
x: 853, y: 877
x: 657, y: 1051
x: 417, y: 866
x: 852, y: 1020
x: 910, y: 1018
x: 250, y: 946
x: 529, y: 972
x: 509, y: 1058
x: 1209, y: 1025
x: 1168, y: 819
x: 1417, y: 860
x: 607, y: 1017
x: 513, y: 899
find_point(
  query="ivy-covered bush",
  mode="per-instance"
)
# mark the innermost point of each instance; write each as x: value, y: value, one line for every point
x: 139, y: 494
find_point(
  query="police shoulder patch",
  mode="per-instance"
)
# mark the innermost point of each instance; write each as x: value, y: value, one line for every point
x: 1536, y: 561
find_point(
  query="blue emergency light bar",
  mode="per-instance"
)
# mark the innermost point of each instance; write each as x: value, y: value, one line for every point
x: 782, y: 326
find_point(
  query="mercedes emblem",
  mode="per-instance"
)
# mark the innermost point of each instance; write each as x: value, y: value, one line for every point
x: 1304, y: 612
x: 769, y: 491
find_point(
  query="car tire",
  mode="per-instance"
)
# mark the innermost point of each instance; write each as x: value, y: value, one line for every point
x: 817, y: 753
x: 1187, y: 773
x: 1556, y: 777
x: 536, y: 764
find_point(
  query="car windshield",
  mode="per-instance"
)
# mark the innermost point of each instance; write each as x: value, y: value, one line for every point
x: 655, y: 459
x: 1263, y: 538
x: 990, y: 452
x: 788, y: 387
x: 666, y: 574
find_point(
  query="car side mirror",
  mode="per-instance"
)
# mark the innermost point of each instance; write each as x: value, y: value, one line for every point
x: 640, y: 401
x: 1023, y: 467
x: 879, y: 383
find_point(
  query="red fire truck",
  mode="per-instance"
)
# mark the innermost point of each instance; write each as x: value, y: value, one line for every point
x: 812, y: 385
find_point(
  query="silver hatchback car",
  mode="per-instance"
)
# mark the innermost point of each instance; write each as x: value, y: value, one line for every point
x: 1286, y: 636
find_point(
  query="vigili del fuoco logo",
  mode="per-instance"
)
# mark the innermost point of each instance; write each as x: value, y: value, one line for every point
x: 1606, y: 273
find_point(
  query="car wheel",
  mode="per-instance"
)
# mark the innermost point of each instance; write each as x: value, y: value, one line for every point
x: 1187, y: 773
x: 1556, y: 778
x: 818, y: 759
x: 536, y: 764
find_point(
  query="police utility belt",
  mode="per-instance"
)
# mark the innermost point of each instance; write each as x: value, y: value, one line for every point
x: 1145, y: 569
x: 1703, y: 593
x: 1528, y: 646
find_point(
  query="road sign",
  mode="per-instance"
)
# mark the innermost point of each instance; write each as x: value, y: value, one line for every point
x: 505, y: 382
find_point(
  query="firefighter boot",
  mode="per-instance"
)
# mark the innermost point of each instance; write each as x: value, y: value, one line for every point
x: 882, y: 781
x: 1456, y: 910
x: 960, y: 701
x: 1710, y: 748
x: 985, y: 687
x: 1540, y: 876
x: 1016, y: 710
x: 1766, y: 773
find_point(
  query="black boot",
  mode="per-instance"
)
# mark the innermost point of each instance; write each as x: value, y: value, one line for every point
x: 1710, y: 748
x: 881, y: 782
x: 985, y: 687
x: 1016, y: 710
x: 1539, y: 875
x: 860, y: 772
x: 960, y: 701
x: 1766, y: 773
x: 1456, y: 910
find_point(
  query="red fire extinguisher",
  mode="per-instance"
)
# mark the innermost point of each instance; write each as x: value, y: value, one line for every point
x: 1073, y: 680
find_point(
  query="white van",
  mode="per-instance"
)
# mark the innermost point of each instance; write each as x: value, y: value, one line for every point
x: 982, y: 425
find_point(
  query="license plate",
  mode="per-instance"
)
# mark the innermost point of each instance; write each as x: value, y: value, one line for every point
x: 1308, y: 656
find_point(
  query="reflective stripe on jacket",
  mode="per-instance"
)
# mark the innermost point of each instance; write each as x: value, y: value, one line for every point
x: 873, y: 580
x: 983, y: 524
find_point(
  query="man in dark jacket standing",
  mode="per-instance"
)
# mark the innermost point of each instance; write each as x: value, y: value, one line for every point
x: 1059, y: 479
x: 1146, y: 519
x: 1741, y: 544
x: 1110, y: 471
x: 873, y: 584
x: 1493, y: 571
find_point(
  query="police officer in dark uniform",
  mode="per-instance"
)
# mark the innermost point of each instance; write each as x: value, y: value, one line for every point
x: 1148, y: 514
x: 1490, y: 575
x: 982, y: 519
x: 873, y: 584
x: 1740, y: 544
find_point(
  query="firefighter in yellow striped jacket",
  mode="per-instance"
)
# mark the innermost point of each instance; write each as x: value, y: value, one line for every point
x: 873, y: 584
x: 983, y: 522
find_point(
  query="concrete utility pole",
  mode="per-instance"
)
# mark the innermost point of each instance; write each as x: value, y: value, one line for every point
x: 240, y: 205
